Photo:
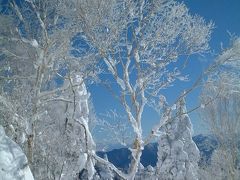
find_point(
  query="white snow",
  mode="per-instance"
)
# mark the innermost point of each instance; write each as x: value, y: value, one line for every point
x: 34, y: 43
x: 13, y: 162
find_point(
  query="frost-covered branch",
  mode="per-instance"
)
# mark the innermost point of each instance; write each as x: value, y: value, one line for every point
x: 37, y: 63
x: 138, y: 42
x: 222, y: 114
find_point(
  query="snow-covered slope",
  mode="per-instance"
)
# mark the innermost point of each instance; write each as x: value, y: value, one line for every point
x: 13, y: 162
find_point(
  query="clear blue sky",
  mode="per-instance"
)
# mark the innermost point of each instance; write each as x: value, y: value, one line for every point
x: 226, y: 16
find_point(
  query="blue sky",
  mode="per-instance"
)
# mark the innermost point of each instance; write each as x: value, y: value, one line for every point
x: 226, y: 16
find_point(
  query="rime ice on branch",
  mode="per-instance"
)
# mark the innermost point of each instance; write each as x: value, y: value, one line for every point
x: 37, y: 97
x: 139, y: 42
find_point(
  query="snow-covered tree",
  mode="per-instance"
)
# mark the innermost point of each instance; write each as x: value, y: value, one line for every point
x: 48, y: 48
x: 177, y: 153
x: 69, y: 149
x: 221, y: 114
x: 139, y: 42
x: 43, y: 99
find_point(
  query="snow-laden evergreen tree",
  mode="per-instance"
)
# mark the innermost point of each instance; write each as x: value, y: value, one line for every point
x: 177, y: 153
x: 13, y: 162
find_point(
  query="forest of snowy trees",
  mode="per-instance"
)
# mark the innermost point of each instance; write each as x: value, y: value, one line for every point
x: 51, y: 51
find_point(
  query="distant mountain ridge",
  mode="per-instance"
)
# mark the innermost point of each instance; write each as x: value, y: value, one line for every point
x: 121, y: 157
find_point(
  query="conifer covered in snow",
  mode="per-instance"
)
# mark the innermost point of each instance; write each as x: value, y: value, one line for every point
x: 177, y: 153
